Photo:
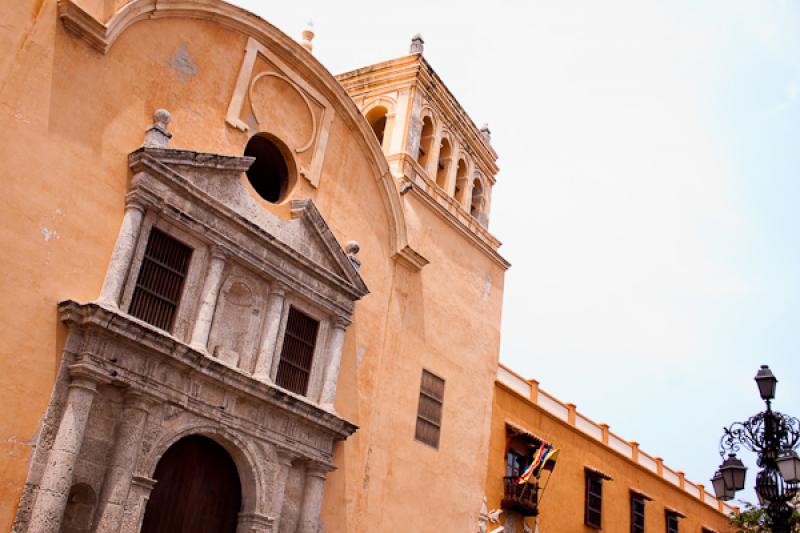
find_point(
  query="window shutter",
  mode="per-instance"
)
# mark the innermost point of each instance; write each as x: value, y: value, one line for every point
x: 297, y: 353
x: 160, y: 283
x: 429, y: 409
x: 637, y: 514
x: 593, y: 511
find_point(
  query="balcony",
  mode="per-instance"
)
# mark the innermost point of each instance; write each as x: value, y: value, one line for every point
x: 520, y: 498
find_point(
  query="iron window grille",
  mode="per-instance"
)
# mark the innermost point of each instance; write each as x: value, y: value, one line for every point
x: 159, y: 285
x: 297, y: 354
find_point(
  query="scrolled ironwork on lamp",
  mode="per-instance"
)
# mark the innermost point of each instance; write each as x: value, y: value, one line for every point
x: 773, y: 437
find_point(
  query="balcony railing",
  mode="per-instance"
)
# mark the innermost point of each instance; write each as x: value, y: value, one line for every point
x: 522, y: 499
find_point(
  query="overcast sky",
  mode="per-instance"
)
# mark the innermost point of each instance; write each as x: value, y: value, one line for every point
x: 647, y: 198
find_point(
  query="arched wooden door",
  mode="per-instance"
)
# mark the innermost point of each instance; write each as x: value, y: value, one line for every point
x: 197, y: 490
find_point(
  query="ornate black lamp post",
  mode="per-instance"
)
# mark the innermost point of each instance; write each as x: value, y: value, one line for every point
x: 774, y: 437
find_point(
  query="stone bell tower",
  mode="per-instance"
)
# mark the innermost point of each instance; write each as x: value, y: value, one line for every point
x: 427, y: 137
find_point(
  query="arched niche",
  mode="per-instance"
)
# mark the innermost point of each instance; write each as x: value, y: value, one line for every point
x: 443, y: 165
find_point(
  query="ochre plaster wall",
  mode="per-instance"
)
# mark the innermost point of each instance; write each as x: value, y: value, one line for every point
x: 69, y: 117
x: 562, y: 503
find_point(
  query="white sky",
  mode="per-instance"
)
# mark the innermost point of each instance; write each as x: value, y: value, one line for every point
x: 647, y: 199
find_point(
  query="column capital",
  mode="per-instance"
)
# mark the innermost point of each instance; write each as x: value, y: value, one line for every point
x: 318, y: 469
x: 137, y: 200
x: 83, y: 376
x: 220, y: 252
x: 341, y: 322
x: 285, y: 456
x: 138, y: 399
x: 278, y: 288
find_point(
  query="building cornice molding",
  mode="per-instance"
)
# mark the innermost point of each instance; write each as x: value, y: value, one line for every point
x: 103, y: 328
x: 415, y: 71
x: 474, y: 233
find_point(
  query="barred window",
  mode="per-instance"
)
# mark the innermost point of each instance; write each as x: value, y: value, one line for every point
x: 429, y: 410
x: 160, y: 283
x: 297, y: 353
x: 637, y: 513
x: 593, y: 510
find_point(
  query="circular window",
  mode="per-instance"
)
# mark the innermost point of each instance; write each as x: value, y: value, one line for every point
x: 269, y: 174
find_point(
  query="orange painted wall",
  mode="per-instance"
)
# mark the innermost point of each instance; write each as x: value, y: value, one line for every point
x: 69, y: 117
x: 562, y: 503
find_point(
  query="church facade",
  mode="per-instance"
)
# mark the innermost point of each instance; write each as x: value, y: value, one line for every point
x: 246, y: 295
x: 238, y: 289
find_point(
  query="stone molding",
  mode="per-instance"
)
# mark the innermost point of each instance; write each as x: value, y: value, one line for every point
x: 101, y: 35
x: 475, y: 233
x: 415, y: 71
x: 136, y: 353
x: 209, y: 186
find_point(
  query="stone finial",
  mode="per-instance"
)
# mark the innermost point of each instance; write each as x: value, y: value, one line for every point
x: 486, y: 133
x: 352, y: 249
x: 307, y: 36
x: 417, y: 44
x: 157, y: 136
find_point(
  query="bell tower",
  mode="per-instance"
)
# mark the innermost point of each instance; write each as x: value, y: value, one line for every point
x: 429, y: 140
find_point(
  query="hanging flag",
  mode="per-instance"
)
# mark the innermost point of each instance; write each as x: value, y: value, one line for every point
x: 536, y: 462
x: 549, y: 461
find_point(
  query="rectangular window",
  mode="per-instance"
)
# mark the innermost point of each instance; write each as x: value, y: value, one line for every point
x: 637, y: 513
x: 593, y: 511
x: 160, y: 283
x: 429, y: 410
x: 672, y: 521
x: 297, y: 353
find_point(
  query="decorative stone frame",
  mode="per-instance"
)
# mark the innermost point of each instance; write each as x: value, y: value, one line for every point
x: 179, y: 388
x: 198, y: 266
x: 319, y: 360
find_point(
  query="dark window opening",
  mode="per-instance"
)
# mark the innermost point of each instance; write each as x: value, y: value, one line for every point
x: 160, y: 283
x: 269, y: 174
x: 637, y: 513
x: 425, y: 140
x: 377, y: 120
x: 593, y: 510
x: 297, y: 353
x: 429, y: 410
x: 671, y: 519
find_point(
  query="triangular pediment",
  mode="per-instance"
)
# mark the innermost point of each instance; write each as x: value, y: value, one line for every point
x: 305, y: 239
x: 323, y: 247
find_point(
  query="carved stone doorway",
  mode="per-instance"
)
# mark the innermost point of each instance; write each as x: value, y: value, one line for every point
x: 197, y: 490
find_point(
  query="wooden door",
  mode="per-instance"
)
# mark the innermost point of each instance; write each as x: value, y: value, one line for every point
x: 197, y: 490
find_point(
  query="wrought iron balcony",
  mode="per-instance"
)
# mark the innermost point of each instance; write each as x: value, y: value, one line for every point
x: 522, y: 499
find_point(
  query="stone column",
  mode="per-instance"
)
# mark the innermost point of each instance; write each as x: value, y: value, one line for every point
x: 312, y: 498
x: 141, y: 487
x: 208, y: 299
x: 334, y: 359
x: 127, y: 442
x: 56, y: 481
x: 266, y: 353
x: 285, y: 458
x: 123, y: 254
x: 432, y: 164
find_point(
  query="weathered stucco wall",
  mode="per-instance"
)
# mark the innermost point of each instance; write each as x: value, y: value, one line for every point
x: 562, y: 504
x: 70, y: 115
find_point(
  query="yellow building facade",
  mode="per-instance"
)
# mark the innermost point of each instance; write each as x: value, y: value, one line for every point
x: 222, y: 263
x: 210, y: 252
x: 600, y: 482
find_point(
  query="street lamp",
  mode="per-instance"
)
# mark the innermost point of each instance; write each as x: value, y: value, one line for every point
x: 773, y: 437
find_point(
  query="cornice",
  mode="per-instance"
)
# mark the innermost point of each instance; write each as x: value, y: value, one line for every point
x: 112, y: 324
x: 474, y: 232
